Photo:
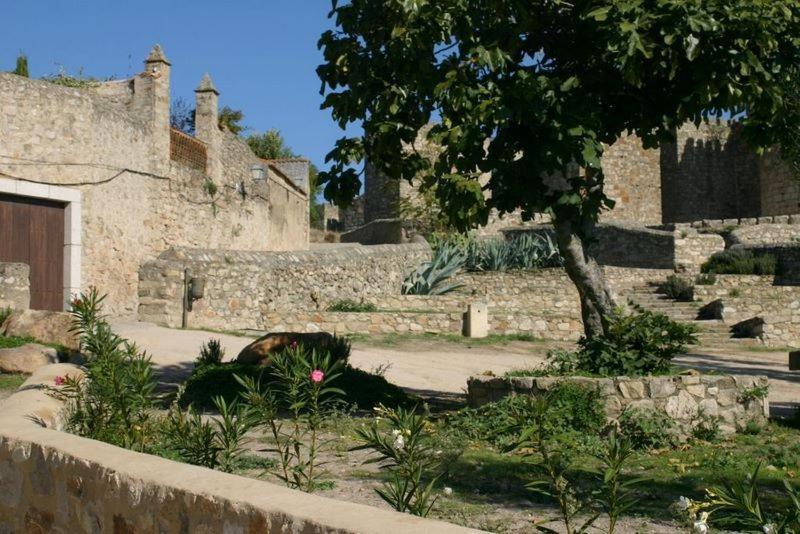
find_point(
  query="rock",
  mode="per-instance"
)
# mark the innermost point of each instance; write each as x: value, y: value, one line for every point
x: 750, y: 328
x: 45, y: 326
x: 633, y: 389
x: 27, y: 358
x: 681, y: 407
x: 661, y: 388
x: 714, y: 310
x: 259, y: 351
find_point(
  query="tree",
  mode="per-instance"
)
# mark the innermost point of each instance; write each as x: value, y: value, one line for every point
x: 181, y: 116
x: 269, y: 145
x: 21, y: 68
x: 231, y: 119
x: 532, y: 90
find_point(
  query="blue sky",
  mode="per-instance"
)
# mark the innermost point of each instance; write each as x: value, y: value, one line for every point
x: 262, y: 54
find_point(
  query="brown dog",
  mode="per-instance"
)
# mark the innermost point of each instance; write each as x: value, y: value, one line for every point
x: 259, y: 351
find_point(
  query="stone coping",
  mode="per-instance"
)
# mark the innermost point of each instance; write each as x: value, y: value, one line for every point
x: 276, y: 259
x: 62, y: 482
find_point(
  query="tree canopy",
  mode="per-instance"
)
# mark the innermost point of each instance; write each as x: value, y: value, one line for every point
x: 525, y: 88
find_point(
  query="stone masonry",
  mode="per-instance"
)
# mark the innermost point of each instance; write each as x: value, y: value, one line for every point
x: 15, y: 290
x: 130, y: 194
x: 57, y: 482
x: 686, y: 399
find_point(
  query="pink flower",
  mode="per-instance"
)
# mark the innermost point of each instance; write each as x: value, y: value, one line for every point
x: 60, y: 380
x: 317, y: 376
x: 293, y: 344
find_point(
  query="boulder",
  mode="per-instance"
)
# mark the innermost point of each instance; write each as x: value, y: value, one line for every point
x: 259, y: 351
x: 27, y: 358
x: 45, y: 326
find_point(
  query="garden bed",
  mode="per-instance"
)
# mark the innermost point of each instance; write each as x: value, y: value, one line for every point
x: 734, y: 402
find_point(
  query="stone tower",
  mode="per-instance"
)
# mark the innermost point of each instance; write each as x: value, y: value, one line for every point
x: 152, y: 101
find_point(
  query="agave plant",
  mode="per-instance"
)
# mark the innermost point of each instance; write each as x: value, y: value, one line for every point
x: 497, y: 255
x: 430, y: 278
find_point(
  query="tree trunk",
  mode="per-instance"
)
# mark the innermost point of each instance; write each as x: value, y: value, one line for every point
x: 597, y: 306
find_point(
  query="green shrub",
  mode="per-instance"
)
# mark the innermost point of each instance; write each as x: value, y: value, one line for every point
x: 647, y: 428
x: 635, y: 345
x: 361, y: 389
x: 740, y: 261
x: 113, y: 401
x: 706, y: 279
x: 211, y: 353
x: 346, y: 305
x: 573, y: 408
x: 677, y: 288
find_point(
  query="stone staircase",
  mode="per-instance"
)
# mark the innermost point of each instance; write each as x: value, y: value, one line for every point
x: 711, y: 333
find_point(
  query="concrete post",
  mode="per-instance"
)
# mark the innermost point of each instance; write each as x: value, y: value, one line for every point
x: 476, y: 320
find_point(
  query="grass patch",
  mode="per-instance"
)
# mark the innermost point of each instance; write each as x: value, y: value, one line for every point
x: 362, y: 389
x: 11, y: 381
x: 14, y: 342
x: 394, y: 339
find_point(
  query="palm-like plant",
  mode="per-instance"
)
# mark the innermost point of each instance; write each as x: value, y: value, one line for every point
x: 431, y: 277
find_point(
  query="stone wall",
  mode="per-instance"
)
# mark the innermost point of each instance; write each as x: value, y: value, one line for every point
x: 58, y: 482
x: 243, y: 287
x: 709, y: 173
x: 686, y: 399
x: 292, y: 291
x: 633, y: 181
x: 766, y: 234
x: 15, y: 291
x: 746, y: 297
x: 780, y: 190
x: 622, y: 244
x: 111, y: 143
x: 377, y: 232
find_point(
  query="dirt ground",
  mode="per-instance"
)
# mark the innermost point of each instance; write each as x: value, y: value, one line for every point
x: 441, y: 368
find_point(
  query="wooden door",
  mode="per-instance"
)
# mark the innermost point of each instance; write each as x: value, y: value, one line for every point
x: 32, y: 232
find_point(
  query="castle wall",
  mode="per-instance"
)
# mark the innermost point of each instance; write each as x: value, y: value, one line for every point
x: 134, y: 203
x: 709, y: 173
x: 633, y: 181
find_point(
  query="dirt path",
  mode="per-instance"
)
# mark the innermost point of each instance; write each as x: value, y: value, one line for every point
x: 436, y: 368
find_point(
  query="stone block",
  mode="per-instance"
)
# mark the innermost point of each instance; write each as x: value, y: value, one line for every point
x: 681, y: 407
x: 708, y: 408
x: 662, y: 387
x: 697, y: 390
x: 521, y: 384
x: 476, y: 320
x: 631, y: 389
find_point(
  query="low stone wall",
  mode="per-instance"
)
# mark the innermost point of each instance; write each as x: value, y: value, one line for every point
x: 747, y: 296
x: 15, y: 287
x: 56, y: 482
x: 540, y: 325
x: 242, y: 287
x: 686, y: 399
x: 766, y: 233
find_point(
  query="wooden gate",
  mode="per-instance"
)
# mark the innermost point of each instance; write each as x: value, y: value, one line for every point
x: 32, y: 232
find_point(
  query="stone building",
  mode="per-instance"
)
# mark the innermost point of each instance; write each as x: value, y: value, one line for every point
x: 94, y: 182
x: 707, y: 173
